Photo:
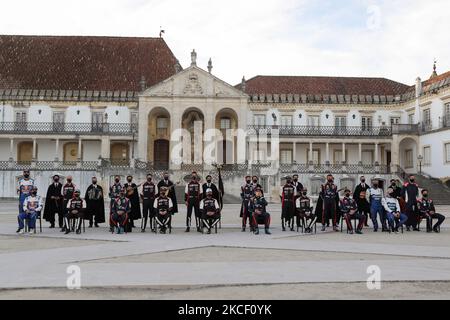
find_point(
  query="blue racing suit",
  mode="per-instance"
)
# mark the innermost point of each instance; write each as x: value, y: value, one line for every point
x: 376, y: 207
x: 25, y: 186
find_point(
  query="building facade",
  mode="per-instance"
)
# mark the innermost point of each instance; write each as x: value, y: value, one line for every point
x: 104, y: 105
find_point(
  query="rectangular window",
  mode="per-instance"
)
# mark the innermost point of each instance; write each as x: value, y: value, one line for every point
x: 286, y: 121
x: 338, y: 157
x: 259, y: 120
x: 446, y: 118
x: 316, y: 156
x: 340, y: 122
x: 58, y: 121
x: 97, y: 121
x: 162, y: 124
x: 314, y: 121
x: 395, y: 120
x: 286, y: 156
x: 367, y: 157
x: 409, y: 161
x: 426, y: 156
x: 366, y: 123
x: 20, y: 120
x: 447, y: 153
x: 225, y: 123
x: 427, y: 118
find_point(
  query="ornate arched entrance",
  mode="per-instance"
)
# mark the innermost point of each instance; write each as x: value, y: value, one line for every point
x: 408, y: 153
x: 158, y: 149
x: 193, y: 121
x: 226, y: 121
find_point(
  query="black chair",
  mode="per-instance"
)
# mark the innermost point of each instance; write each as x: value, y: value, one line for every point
x: 355, y: 223
x: 167, y: 224
x: 38, y: 217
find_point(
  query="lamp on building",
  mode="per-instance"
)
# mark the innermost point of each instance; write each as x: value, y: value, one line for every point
x: 78, y: 112
x: 327, y: 116
x: 274, y: 116
x: 117, y: 112
x: 420, y: 158
x: 354, y: 116
x: 300, y: 115
x: 39, y: 111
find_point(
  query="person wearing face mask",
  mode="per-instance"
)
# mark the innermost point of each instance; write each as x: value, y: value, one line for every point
x: 210, y: 209
x: 119, y: 212
x: 396, y: 190
x: 68, y: 190
x: 359, y: 195
x: 410, y: 194
x: 133, y: 196
x: 376, y: 206
x: 149, y: 192
x: 210, y: 185
x: 24, y: 188
x: 297, y: 185
x: 259, y: 214
x: 350, y: 212
x: 32, y: 206
x: 304, y: 211
x: 247, y: 193
x: 95, y: 204
x: 163, y: 211
x: 428, y: 211
x: 287, y: 196
x: 165, y: 182
x: 75, y: 211
x: 330, y: 199
x: 192, y: 197
x: 114, y: 192
x: 256, y: 185
x: 54, y: 202
x: 393, y: 212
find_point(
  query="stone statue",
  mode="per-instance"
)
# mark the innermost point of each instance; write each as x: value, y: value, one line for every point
x: 193, y: 58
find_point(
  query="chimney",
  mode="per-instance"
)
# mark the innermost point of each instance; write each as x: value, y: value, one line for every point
x: 418, y: 87
x: 143, y: 84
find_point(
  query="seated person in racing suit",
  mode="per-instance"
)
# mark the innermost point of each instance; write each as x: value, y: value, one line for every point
x: 258, y: 212
x: 120, y: 209
x: 427, y: 210
x: 163, y: 206
x: 393, y: 212
x: 32, y: 207
x: 75, y: 210
x: 304, y: 211
x: 350, y: 211
x: 210, y: 210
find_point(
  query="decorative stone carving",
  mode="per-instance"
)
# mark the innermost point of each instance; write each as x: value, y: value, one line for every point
x: 193, y: 86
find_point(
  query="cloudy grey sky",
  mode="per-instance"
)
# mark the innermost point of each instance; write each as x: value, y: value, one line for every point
x: 396, y: 39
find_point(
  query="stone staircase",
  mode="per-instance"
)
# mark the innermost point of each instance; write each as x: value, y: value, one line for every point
x: 439, y: 192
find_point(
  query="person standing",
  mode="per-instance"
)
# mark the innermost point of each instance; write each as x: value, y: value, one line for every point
x: 410, y: 194
x: 376, y: 206
x: 95, y: 204
x: 32, y: 207
x: 165, y: 182
x: 247, y: 193
x: 359, y: 195
x: 297, y: 186
x: 287, y: 195
x: 149, y: 192
x: 330, y: 199
x: 192, y: 196
x: 114, y: 192
x: 54, y: 203
x: 133, y: 196
x: 67, y: 192
x: 209, y: 185
x: 24, y: 188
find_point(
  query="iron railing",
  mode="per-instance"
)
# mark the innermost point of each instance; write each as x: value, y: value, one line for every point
x: 333, y: 168
x: 331, y: 131
x: 68, y: 128
x: 405, y: 129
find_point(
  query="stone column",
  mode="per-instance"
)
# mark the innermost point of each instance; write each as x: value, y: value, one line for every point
x: 34, y: 150
x: 343, y: 153
x: 105, y: 147
x: 79, y: 156
x: 311, y: 160
x: 360, y: 153
x: 56, y: 149
x: 395, y: 152
x: 11, y: 149
x: 377, y: 161
x: 327, y: 153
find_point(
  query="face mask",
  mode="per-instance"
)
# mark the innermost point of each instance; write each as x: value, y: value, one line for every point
x: 209, y: 181
x: 305, y: 193
x: 149, y: 179
x: 375, y: 186
x: 255, y: 181
x: 363, y: 180
x: 117, y: 180
x: 33, y: 193
x: 412, y: 180
x: 26, y: 175
x: 94, y: 181
x: 69, y: 180
x: 347, y: 195
x: 425, y: 195
x: 248, y: 181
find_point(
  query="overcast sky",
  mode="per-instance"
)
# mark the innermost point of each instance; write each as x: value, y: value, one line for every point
x: 396, y: 39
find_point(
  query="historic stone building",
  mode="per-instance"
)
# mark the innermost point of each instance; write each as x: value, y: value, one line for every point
x: 108, y: 105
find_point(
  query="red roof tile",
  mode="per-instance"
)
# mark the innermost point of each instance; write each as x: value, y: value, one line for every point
x: 83, y: 63
x: 323, y: 86
x: 437, y: 78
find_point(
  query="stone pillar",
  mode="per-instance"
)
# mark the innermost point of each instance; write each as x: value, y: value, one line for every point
x: 343, y: 153
x: 360, y: 153
x: 311, y: 160
x: 395, y: 153
x: 105, y: 147
x: 79, y: 158
x: 294, y: 151
x: 11, y: 149
x: 34, y: 150
x: 327, y: 153
x: 56, y: 149
x: 377, y: 161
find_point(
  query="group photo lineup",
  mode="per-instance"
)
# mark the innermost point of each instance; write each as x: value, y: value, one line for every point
x: 285, y: 150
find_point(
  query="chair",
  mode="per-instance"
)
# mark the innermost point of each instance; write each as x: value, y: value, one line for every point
x: 167, y: 224
x: 355, y: 223
x: 432, y: 219
x: 38, y: 217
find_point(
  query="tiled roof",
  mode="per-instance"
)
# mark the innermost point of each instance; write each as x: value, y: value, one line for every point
x: 323, y: 86
x: 436, y: 79
x: 83, y: 62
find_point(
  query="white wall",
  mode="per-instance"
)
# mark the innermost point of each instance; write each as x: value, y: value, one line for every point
x: 438, y: 167
x: 84, y: 115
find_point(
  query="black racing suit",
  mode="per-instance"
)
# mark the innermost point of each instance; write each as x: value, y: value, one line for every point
x: 428, y: 211
x: 349, y: 210
x: 247, y: 193
x: 330, y: 198
x: 163, y: 212
x: 410, y: 192
x: 192, y: 198
x: 149, y: 192
x: 287, y: 204
x: 259, y: 213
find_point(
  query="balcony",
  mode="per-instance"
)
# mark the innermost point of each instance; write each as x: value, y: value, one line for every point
x: 330, y: 131
x: 68, y: 128
x: 405, y: 129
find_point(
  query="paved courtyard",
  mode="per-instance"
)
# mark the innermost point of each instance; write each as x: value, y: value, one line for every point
x: 227, y: 265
